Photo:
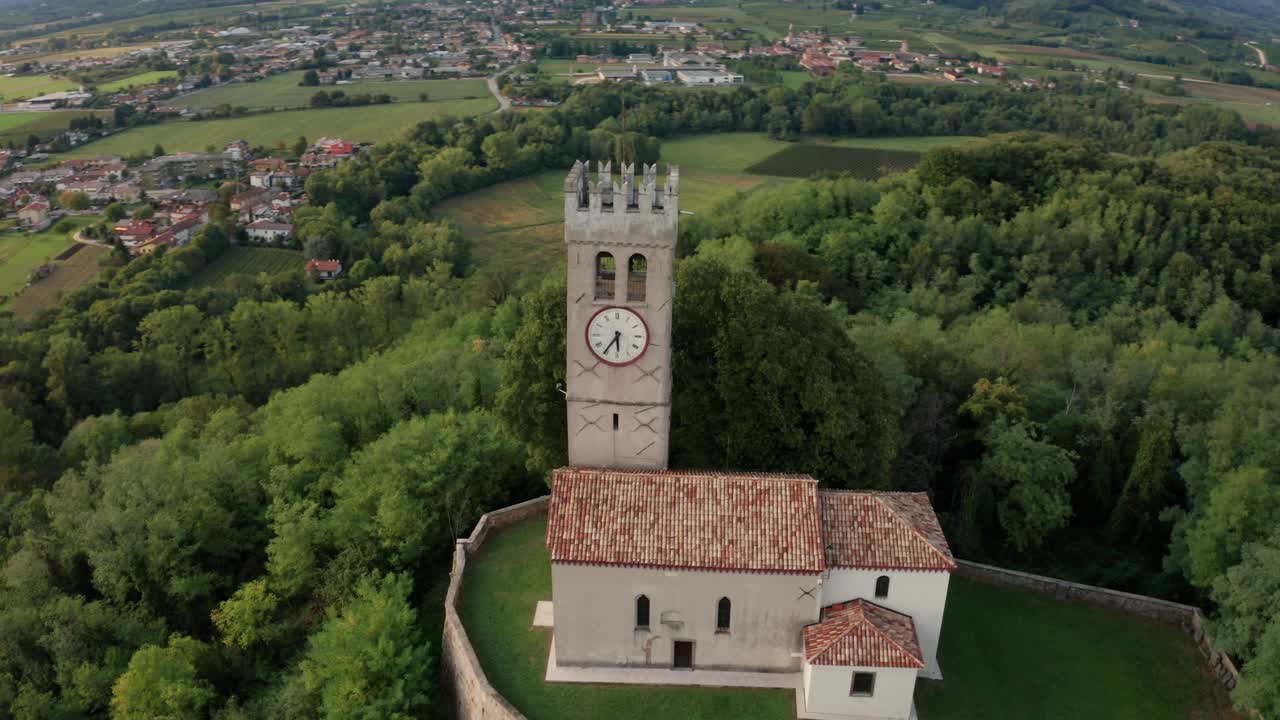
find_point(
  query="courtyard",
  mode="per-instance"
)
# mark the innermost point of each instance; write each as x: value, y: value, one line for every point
x: 1005, y: 653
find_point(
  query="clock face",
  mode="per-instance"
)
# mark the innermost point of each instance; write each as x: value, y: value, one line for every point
x: 618, y: 336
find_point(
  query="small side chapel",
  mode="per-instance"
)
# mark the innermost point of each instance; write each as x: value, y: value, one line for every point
x: 712, y: 577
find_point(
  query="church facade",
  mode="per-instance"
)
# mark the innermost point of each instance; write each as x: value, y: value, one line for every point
x: 744, y: 578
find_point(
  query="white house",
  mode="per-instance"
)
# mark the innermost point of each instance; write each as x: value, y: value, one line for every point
x: 838, y: 593
x: 264, y: 231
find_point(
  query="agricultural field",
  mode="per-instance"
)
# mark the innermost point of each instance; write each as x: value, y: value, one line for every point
x: 517, y: 225
x: 246, y: 260
x: 362, y: 124
x: 69, y: 273
x: 805, y: 160
x: 20, y: 253
x: 283, y: 91
x: 22, y: 87
x: 17, y: 126
x: 146, y: 78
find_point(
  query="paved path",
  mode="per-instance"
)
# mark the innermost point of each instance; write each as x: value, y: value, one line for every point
x: 504, y: 102
x: 1262, y: 56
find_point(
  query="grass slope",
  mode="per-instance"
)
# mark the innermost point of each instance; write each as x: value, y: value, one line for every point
x: 146, y: 78
x: 1005, y: 653
x: 246, y: 260
x: 364, y: 124
x: 283, y: 91
x: 504, y: 584
x: 17, y: 126
x: 28, y: 86
x: 68, y: 274
x: 21, y: 253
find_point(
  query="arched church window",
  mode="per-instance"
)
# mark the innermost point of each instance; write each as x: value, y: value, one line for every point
x: 606, y: 271
x: 724, y: 610
x: 642, y: 611
x: 882, y: 586
x: 637, y: 272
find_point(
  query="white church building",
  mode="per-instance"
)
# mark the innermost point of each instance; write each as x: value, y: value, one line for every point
x: 709, y: 577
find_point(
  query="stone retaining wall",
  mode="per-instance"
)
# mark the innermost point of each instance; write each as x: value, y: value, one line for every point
x: 1188, y: 617
x: 472, y: 696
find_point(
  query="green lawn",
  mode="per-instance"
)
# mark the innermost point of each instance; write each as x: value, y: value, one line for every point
x: 283, y: 91
x: 243, y: 259
x: 146, y: 78
x: 17, y: 126
x: 21, y: 253
x: 29, y: 86
x: 1005, y: 654
x: 363, y: 124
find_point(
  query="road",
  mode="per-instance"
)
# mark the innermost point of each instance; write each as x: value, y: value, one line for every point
x: 1262, y: 56
x: 504, y: 102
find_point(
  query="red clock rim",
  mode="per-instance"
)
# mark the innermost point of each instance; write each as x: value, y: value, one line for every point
x: 586, y: 336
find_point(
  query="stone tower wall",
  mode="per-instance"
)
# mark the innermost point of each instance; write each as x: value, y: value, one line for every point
x: 620, y: 416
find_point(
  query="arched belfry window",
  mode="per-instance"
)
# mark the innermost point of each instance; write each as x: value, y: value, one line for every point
x: 724, y: 612
x: 882, y: 586
x: 637, y: 272
x: 606, y: 271
x: 642, y: 611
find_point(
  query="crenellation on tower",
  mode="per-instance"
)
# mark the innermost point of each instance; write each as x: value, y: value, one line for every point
x: 606, y: 193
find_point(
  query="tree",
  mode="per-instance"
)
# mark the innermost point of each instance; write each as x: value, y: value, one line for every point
x: 1029, y: 478
x: 157, y: 151
x: 529, y: 401
x: 426, y: 481
x: 115, y: 212
x: 74, y: 200
x: 300, y: 145
x: 1147, y: 491
x: 164, y: 682
x: 247, y: 619
x: 369, y: 659
x: 310, y: 78
x: 770, y: 380
x: 146, y: 212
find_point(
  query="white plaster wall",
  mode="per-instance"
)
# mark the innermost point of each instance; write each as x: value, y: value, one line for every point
x: 922, y: 595
x: 595, y: 617
x: 826, y: 691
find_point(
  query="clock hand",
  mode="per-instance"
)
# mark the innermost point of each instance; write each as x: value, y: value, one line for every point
x: 617, y: 339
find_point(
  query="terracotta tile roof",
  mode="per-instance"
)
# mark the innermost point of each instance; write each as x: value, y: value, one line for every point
x: 753, y: 522
x: 883, y: 530
x: 863, y: 634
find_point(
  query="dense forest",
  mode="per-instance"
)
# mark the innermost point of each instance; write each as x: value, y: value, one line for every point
x: 238, y: 501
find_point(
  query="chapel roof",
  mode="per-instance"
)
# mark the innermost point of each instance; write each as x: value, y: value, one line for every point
x: 863, y: 634
x: 882, y: 530
x: 746, y: 522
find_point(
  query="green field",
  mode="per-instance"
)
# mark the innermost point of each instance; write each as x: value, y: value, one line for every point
x: 21, y: 253
x: 283, y: 91
x: 805, y: 160
x: 246, y: 260
x: 17, y: 126
x: 146, y: 78
x: 68, y: 274
x: 363, y: 124
x: 517, y: 225
x: 1005, y: 654
x: 28, y: 86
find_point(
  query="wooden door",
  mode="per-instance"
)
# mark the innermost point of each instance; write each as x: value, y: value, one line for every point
x: 683, y: 655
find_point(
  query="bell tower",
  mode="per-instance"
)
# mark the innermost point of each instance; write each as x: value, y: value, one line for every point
x: 621, y: 241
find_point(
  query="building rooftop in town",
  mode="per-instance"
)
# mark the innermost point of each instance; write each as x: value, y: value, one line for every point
x: 862, y: 634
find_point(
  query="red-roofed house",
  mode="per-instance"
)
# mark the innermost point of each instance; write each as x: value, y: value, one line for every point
x: 35, y: 216
x: 324, y: 269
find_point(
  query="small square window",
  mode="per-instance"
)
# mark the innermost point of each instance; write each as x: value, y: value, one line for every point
x: 864, y: 684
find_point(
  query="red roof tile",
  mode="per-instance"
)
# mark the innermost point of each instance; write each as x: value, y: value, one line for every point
x: 892, y: 531
x: 753, y: 522
x: 863, y: 634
